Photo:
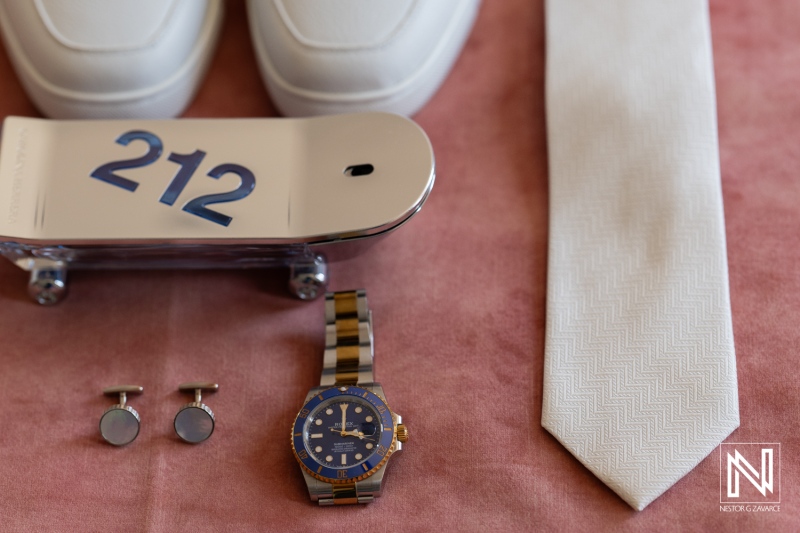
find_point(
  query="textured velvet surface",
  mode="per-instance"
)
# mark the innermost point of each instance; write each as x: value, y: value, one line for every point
x: 458, y: 296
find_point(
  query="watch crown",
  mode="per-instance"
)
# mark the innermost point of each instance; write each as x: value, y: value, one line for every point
x: 402, y: 433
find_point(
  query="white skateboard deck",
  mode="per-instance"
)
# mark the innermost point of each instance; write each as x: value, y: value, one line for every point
x: 216, y: 180
x: 205, y: 193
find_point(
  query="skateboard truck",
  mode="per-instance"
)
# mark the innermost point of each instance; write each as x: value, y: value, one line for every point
x: 308, y: 277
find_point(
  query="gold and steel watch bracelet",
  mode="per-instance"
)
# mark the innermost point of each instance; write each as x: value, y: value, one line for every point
x: 348, y: 340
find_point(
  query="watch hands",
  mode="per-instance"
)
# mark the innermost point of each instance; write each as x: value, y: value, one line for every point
x: 352, y: 433
x: 344, y: 407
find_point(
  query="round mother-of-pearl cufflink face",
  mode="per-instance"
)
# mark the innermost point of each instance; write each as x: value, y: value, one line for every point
x: 195, y: 421
x: 119, y: 424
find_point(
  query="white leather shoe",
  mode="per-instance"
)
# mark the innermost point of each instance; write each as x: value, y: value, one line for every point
x: 338, y: 56
x: 110, y: 58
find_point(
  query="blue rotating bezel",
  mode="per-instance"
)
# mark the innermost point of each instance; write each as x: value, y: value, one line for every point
x: 361, y: 470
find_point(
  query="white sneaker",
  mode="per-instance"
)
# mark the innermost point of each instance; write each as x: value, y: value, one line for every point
x: 341, y: 56
x: 110, y: 58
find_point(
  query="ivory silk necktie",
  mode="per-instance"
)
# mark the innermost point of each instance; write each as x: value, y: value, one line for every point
x: 640, y: 371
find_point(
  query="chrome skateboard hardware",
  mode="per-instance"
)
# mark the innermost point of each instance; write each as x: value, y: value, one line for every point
x: 216, y: 193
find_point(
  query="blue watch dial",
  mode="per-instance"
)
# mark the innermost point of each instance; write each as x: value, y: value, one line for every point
x: 343, y: 433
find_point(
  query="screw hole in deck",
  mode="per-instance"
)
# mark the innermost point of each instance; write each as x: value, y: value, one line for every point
x: 359, y: 170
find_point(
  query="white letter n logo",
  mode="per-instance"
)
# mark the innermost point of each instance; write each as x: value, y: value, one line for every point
x: 740, y: 464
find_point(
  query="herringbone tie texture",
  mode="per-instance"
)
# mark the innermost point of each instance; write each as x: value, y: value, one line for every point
x: 640, y: 372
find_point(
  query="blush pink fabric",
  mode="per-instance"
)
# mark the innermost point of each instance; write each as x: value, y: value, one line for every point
x: 458, y: 296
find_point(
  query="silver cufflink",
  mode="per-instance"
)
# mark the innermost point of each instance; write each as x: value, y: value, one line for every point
x: 119, y: 424
x: 195, y: 421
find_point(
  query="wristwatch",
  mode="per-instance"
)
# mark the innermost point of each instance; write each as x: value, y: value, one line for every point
x: 345, y: 433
